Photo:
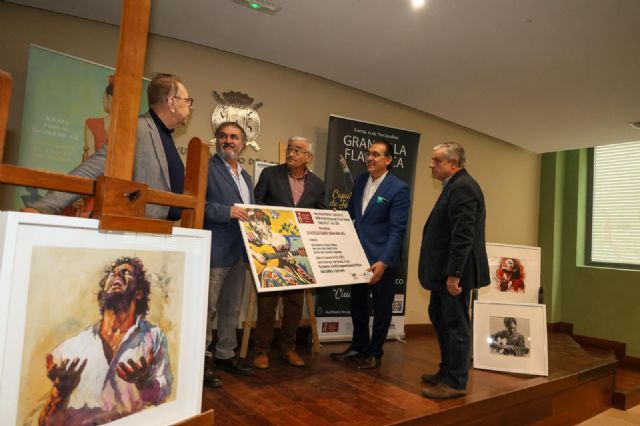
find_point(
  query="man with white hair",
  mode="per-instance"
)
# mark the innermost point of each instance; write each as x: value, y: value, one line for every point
x: 290, y: 185
x: 453, y: 260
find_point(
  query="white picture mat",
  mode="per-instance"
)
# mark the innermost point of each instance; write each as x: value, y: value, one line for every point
x: 258, y: 167
x: 21, y: 232
x: 530, y: 258
x: 537, y: 363
x: 347, y: 242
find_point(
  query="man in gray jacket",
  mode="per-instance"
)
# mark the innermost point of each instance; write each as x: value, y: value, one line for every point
x: 157, y: 162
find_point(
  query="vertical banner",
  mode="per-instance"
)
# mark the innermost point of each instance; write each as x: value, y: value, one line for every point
x: 66, y: 109
x: 347, y: 145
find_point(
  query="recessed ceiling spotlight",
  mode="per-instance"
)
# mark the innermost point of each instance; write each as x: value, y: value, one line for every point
x: 635, y: 125
x: 264, y: 6
x: 417, y: 3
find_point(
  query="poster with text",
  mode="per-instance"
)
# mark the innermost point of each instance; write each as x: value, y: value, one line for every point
x: 290, y: 249
x: 347, y: 146
x: 66, y: 116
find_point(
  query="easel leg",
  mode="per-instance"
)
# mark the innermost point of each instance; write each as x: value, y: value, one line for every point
x: 312, y: 321
x: 248, y: 322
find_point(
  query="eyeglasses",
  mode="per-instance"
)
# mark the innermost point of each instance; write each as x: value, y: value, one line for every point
x: 296, y: 150
x: 373, y: 154
x: 189, y: 101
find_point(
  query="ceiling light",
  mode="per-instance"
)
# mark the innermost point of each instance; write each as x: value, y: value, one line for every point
x: 417, y: 3
x: 264, y: 6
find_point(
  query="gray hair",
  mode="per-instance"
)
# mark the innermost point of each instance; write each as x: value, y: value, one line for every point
x: 454, y: 151
x: 302, y: 138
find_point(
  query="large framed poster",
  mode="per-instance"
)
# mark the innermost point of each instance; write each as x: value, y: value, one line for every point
x: 515, y: 274
x: 66, y: 117
x: 100, y: 327
x: 292, y: 248
x: 348, y: 142
x: 510, y: 337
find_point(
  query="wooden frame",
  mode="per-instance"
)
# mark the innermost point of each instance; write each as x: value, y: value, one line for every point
x: 109, y: 190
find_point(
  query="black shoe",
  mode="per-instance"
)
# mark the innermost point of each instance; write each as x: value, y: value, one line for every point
x: 431, y: 379
x: 210, y: 378
x: 347, y: 354
x: 368, y: 363
x: 232, y: 365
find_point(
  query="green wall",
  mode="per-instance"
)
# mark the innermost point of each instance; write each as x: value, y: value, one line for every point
x: 599, y: 302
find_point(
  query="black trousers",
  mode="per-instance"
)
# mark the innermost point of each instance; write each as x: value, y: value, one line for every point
x: 382, y: 296
x: 450, y: 318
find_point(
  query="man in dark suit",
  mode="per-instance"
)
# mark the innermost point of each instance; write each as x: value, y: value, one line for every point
x: 379, y: 205
x: 453, y: 260
x: 227, y: 184
x: 289, y: 185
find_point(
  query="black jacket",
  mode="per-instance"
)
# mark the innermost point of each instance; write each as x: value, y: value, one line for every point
x: 453, y: 241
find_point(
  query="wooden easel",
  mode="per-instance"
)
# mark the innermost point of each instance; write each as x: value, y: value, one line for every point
x: 113, y: 207
x: 248, y: 322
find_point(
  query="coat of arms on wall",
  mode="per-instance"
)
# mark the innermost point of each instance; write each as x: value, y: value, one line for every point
x: 237, y: 106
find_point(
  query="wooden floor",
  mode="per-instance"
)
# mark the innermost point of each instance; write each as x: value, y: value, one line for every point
x: 327, y: 392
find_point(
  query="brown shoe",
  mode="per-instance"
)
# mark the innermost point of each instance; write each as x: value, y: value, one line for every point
x: 431, y: 379
x: 293, y: 358
x: 442, y: 391
x: 261, y: 361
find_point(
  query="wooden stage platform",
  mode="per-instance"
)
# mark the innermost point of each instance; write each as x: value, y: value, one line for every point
x: 327, y: 392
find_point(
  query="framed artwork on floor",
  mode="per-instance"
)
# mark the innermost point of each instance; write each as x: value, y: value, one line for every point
x: 510, y: 337
x: 514, y: 272
x: 100, y: 327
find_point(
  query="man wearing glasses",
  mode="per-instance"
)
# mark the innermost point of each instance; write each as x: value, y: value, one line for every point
x: 156, y: 163
x: 289, y: 185
x: 379, y: 206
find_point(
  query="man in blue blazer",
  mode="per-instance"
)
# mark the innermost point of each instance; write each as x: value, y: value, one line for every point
x: 379, y: 206
x: 227, y: 184
x: 453, y: 260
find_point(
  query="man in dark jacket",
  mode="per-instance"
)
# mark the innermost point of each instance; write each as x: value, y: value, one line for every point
x: 289, y: 185
x: 453, y: 260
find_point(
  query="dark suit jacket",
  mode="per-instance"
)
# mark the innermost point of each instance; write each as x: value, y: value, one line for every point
x: 273, y: 189
x: 453, y: 242
x: 382, y: 227
x: 222, y: 192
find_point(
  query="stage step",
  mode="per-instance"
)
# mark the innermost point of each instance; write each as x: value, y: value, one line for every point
x: 627, y: 392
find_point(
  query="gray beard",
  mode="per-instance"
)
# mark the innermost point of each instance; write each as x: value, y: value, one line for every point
x: 226, y: 155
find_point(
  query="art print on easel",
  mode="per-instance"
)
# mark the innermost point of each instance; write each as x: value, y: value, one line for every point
x: 98, y: 327
x: 514, y: 272
x: 277, y: 251
x: 101, y: 335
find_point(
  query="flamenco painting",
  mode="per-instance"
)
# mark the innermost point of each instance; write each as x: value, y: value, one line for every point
x: 278, y: 253
x: 510, y: 275
x: 514, y: 272
x: 102, y: 337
